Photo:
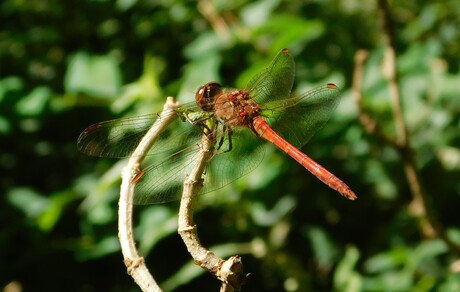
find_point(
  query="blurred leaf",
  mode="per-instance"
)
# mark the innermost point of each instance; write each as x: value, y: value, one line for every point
x: 390, y: 281
x: 184, y: 275
x: 5, y: 126
x: 146, y: 88
x: 125, y: 4
x: 44, y: 211
x: 204, y: 46
x: 101, y: 214
x: 345, y: 277
x: 50, y: 217
x: 264, y: 217
x: 417, y: 60
x: 102, y: 247
x: 424, y: 22
x: 387, y: 261
x: 258, y: 12
x: 97, y: 76
x: 34, y: 103
x: 28, y: 201
x: 382, y: 181
x: 207, y: 69
x: 454, y: 235
x: 426, y: 283
x: 324, y: 249
x: 156, y: 222
x: 11, y: 83
x: 289, y: 31
x: 396, y: 268
x: 451, y: 284
x: 101, y: 193
x: 429, y: 249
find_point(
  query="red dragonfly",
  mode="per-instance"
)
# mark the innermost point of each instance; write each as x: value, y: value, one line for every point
x: 266, y: 107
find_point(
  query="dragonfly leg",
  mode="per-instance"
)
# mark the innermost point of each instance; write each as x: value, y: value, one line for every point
x: 197, y: 121
x: 227, y: 131
x: 230, y: 145
x: 205, y: 129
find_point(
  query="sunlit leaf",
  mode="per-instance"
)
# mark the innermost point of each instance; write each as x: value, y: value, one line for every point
x: 50, y: 217
x: 34, y: 103
x: 156, y: 222
x: 5, y: 126
x: 29, y: 201
x: 345, y: 276
x: 103, y: 247
x: 387, y: 261
x: 98, y: 76
x: 324, y: 249
x: 265, y: 217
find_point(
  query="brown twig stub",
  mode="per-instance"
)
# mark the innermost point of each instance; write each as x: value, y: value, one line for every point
x: 231, y: 274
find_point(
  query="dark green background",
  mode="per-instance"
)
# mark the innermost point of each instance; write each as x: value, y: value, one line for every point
x: 67, y: 64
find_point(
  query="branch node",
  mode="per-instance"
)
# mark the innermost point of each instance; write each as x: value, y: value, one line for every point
x: 132, y: 264
x: 231, y: 272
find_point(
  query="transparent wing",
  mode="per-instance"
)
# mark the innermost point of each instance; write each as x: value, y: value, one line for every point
x: 297, y: 118
x: 274, y: 82
x: 227, y: 166
x: 163, y: 181
x: 118, y: 138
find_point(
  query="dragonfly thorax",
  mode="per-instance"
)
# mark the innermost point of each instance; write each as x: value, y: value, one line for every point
x: 236, y: 108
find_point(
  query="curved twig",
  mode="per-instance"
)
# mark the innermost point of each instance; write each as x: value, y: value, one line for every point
x: 133, y: 261
x: 230, y: 272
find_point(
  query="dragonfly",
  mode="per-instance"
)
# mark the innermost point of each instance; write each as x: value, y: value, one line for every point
x: 237, y: 120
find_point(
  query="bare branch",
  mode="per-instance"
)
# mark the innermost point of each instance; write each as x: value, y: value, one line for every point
x: 369, y: 123
x: 419, y: 207
x: 230, y: 272
x: 133, y: 261
x: 209, y: 12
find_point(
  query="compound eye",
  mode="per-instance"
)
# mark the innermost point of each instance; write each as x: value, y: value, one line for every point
x: 205, y: 95
x: 199, y: 93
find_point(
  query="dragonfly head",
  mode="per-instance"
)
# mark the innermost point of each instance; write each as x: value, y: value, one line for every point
x: 205, y: 95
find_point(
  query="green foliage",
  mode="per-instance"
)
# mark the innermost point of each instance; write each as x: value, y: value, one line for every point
x: 65, y: 65
x: 93, y: 75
